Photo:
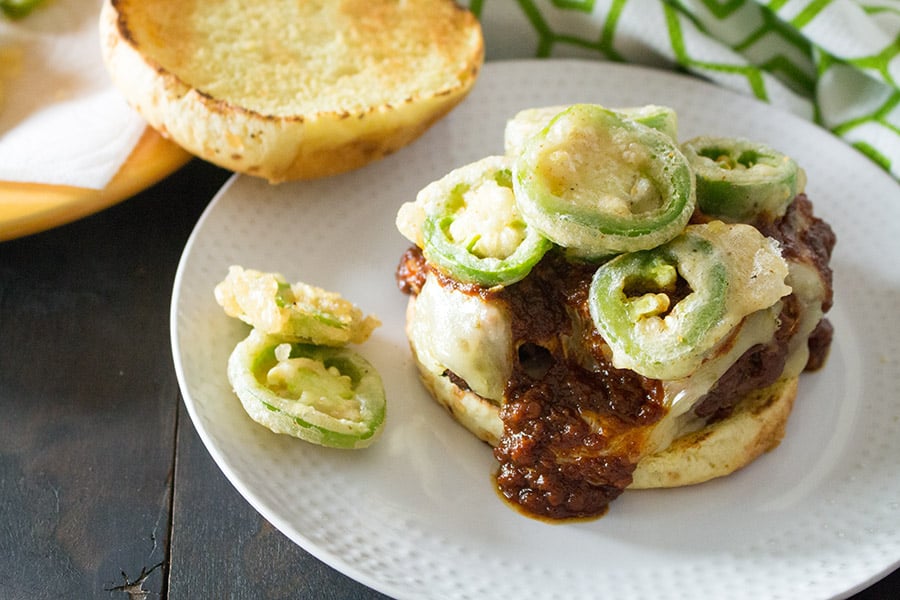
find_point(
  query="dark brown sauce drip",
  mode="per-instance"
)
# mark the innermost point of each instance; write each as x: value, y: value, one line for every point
x: 820, y: 345
x: 574, y: 427
x: 805, y: 238
x: 411, y: 271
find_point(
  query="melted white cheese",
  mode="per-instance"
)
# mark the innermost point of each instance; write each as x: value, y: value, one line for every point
x: 810, y: 289
x: 463, y: 333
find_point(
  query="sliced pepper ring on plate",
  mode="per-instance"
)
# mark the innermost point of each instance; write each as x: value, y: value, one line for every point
x: 598, y: 183
x: 531, y: 121
x: 663, y: 311
x: 326, y: 395
x: 742, y: 181
x: 472, y: 228
x: 293, y: 311
x: 654, y: 116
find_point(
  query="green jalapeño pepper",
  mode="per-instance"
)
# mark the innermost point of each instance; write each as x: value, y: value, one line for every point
x: 597, y: 183
x: 17, y: 9
x: 531, y: 121
x: 296, y: 312
x: 742, y: 181
x: 663, y: 311
x: 322, y: 394
x: 661, y: 118
x: 472, y: 229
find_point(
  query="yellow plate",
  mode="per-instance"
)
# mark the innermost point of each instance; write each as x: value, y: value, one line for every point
x: 27, y: 208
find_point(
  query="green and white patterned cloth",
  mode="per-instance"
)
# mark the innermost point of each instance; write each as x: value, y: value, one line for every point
x: 836, y: 62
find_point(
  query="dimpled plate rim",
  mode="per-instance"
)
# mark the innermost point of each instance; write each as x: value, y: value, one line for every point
x: 415, y: 515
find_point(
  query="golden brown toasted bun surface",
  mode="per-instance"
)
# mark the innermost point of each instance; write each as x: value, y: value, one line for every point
x: 291, y: 90
x: 755, y: 427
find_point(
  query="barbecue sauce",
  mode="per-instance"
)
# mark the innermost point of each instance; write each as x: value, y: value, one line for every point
x: 574, y: 426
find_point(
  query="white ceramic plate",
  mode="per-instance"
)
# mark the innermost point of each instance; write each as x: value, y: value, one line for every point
x: 415, y: 516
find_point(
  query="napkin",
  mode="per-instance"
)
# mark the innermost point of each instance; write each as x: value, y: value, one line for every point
x: 61, y: 120
x: 835, y: 62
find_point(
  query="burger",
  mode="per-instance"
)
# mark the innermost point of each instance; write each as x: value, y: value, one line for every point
x: 610, y: 308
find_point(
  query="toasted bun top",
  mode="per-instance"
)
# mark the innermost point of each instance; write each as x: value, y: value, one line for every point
x: 288, y: 90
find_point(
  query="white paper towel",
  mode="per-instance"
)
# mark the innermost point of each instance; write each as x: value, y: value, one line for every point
x: 61, y: 119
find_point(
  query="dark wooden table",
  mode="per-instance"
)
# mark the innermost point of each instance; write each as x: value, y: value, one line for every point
x: 106, y: 490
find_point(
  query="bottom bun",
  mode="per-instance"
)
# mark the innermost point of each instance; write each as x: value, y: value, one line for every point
x: 755, y: 426
x: 721, y: 448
